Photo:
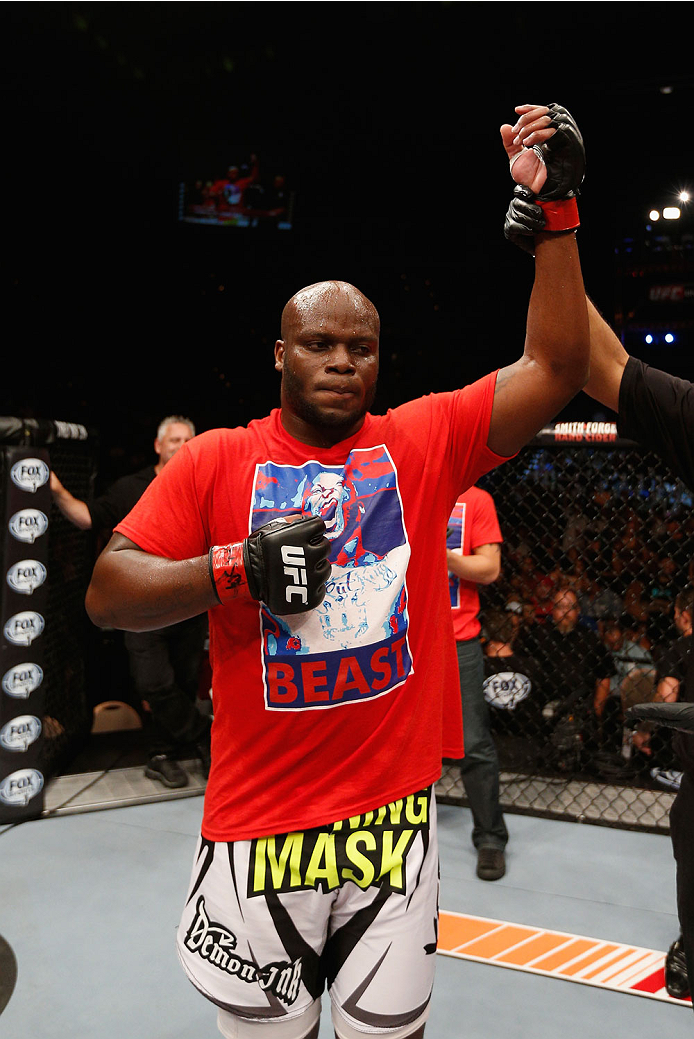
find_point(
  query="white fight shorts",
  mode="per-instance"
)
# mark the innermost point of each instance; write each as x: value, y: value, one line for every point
x: 353, y: 905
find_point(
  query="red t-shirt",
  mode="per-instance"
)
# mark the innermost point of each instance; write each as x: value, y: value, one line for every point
x: 337, y: 711
x: 473, y: 522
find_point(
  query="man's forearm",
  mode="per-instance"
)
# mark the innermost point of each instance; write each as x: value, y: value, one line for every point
x: 608, y: 360
x: 554, y: 365
x: 667, y: 690
x: 136, y: 591
x: 601, y: 696
x: 72, y: 508
x: 480, y: 569
x: 557, y: 329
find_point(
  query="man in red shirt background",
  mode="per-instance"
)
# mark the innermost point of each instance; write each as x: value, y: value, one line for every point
x: 473, y: 553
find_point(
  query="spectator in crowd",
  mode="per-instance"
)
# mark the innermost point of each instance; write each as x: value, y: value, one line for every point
x: 636, y: 614
x: 598, y: 604
x: 627, y: 655
x: 473, y: 553
x: 661, y: 593
x: 526, y: 625
x: 519, y: 546
x: 164, y: 663
x: 541, y: 598
x: 576, y: 668
x: 574, y: 534
x: 525, y: 577
x: 512, y: 692
x: 632, y: 681
x: 672, y: 664
x: 515, y: 612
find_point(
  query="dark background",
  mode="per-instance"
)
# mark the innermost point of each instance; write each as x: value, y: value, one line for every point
x: 384, y: 118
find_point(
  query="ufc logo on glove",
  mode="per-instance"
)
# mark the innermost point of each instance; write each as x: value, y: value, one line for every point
x: 259, y: 565
x: 295, y: 567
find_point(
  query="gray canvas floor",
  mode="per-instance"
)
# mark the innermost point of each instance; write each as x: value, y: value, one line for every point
x: 90, y: 904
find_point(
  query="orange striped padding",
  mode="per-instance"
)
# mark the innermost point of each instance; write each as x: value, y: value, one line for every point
x: 591, y: 961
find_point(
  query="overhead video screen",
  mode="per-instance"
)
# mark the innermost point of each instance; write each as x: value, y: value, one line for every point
x: 242, y: 195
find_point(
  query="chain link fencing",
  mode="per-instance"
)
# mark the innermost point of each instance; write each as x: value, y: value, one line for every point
x: 598, y: 538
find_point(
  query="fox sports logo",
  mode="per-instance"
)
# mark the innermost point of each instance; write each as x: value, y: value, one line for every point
x: 29, y: 474
x: 20, y: 787
x: 20, y: 732
x: 26, y: 576
x: 22, y: 680
x: 28, y: 524
x: 23, y: 628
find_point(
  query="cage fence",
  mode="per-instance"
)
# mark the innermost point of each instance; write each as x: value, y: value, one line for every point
x: 580, y: 625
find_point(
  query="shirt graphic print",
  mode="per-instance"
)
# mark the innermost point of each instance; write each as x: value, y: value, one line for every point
x: 354, y: 646
x: 455, y: 541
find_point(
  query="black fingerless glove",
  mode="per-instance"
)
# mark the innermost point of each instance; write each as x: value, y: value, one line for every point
x: 554, y: 210
x: 283, y: 564
x: 524, y: 219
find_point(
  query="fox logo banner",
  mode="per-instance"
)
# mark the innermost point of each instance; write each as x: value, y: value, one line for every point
x: 354, y: 645
x: 29, y: 474
x: 28, y: 524
x: 21, y: 680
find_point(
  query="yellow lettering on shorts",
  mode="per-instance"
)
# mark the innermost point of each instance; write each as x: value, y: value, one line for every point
x: 366, y: 866
x: 413, y: 817
x: 395, y: 809
x: 392, y: 857
x: 323, y: 862
x: 265, y: 852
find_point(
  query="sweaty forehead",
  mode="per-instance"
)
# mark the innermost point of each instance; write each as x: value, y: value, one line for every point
x: 330, y: 306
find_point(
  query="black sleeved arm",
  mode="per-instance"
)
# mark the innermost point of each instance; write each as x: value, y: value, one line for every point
x: 109, y: 509
x: 657, y: 409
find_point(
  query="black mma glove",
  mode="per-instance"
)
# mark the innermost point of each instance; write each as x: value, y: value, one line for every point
x: 564, y: 157
x: 554, y: 209
x: 675, y: 715
x: 283, y: 564
x: 524, y: 219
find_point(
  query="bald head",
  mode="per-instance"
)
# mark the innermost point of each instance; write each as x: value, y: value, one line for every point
x: 328, y: 357
x: 325, y: 301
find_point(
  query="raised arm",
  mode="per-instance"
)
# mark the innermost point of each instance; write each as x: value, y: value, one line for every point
x: 608, y: 360
x: 545, y: 150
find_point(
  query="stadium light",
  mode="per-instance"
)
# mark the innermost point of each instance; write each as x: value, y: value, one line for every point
x: 684, y: 196
x: 672, y: 213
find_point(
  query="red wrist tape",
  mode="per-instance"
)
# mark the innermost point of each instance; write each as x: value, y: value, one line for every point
x: 227, y: 571
x: 560, y: 214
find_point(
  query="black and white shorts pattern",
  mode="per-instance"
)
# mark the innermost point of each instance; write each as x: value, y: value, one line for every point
x: 270, y: 922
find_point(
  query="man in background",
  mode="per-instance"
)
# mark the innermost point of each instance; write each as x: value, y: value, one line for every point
x: 164, y: 663
x: 473, y: 553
